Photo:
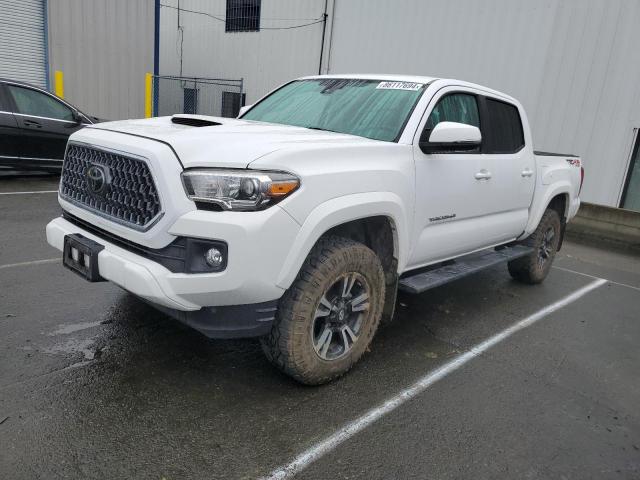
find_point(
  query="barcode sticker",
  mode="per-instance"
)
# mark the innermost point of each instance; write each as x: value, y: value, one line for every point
x: 400, y: 86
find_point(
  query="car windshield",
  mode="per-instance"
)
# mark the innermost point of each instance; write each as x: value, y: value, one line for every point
x: 367, y: 108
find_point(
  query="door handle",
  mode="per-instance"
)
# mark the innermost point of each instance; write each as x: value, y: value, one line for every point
x: 483, y: 175
x: 527, y: 172
x: 31, y: 123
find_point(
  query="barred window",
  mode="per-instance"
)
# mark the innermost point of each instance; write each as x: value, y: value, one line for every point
x: 190, y: 104
x: 243, y: 16
x: 231, y: 103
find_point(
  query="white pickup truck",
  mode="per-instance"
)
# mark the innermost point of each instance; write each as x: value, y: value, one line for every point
x: 299, y: 221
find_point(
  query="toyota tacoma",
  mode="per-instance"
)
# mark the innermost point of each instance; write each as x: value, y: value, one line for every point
x: 299, y: 221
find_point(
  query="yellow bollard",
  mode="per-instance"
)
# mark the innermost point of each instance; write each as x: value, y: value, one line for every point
x: 148, y: 93
x: 58, y: 83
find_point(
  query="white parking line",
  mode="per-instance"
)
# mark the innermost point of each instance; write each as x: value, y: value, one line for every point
x: 28, y: 193
x: 33, y: 262
x: 593, y: 276
x: 320, y: 449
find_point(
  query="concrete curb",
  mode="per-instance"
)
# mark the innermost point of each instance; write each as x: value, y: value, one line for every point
x: 600, y: 223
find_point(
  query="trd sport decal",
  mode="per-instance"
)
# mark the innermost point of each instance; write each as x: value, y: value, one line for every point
x: 442, y: 217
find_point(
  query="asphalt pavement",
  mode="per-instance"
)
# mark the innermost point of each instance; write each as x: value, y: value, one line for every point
x: 96, y: 384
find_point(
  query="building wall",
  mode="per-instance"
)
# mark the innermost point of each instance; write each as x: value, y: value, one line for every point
x: 263, y: 59
x: 23, y: 46
x: 104, y: 49
x: 575, y: 65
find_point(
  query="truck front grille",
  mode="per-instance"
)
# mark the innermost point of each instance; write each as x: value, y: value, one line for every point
x: 116, y: 186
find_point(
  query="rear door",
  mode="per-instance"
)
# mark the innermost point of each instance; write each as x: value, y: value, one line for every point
x: 9, y: 131
x: 45, y: 125
x: 509, y: 160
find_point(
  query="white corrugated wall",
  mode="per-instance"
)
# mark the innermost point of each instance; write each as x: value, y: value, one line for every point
x: 104, y: 48
x: 264, y: 59
x: 23, y: 54
x: 575, y: 64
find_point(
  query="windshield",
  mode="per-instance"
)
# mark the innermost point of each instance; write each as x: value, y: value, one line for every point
x: 367, y: 108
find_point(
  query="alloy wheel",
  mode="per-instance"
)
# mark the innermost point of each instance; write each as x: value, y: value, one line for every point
x: 339, y: 316
x: 546, y: 246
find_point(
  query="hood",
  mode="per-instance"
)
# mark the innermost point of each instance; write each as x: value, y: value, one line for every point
x: 226, y: 142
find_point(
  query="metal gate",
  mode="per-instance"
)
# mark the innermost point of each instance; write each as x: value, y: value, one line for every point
x: 23, y: 48
x: 218, y: 97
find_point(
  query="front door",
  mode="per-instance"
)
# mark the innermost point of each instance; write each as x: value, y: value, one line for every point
x: 9, y: 132
x: 45, y: 124
x: 448, y: 213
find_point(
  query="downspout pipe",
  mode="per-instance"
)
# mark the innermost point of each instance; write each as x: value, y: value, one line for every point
x: 324, y: 30
x: 45, y: 14
x: 156, y: 55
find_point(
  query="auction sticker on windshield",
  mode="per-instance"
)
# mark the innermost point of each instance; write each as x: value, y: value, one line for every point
x: 399, y: 86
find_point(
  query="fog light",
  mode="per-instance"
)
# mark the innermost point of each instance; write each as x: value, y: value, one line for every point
x: 214, y: 258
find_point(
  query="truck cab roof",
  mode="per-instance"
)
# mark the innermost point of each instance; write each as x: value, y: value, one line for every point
x: 416, y: 79
x: 376, y: 76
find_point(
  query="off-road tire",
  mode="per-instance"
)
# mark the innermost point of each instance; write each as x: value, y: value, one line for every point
x: 289, y: 345
x: 528, y: 269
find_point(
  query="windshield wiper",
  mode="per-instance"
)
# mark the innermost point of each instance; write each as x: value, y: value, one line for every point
x: 323, y: 129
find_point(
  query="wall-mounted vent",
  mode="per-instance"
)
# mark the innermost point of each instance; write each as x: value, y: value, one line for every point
x: 193, y: 121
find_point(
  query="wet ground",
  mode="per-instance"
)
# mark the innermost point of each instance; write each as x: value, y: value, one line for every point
x: 96, y: 384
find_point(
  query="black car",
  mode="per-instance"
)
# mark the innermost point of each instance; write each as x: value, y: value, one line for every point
x: 35, y: 126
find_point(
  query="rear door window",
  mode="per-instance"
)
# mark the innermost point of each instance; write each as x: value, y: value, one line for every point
x: 5, y: 104
x: 503, y: 132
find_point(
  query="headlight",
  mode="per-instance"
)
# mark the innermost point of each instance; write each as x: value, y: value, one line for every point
x: 238, y: 189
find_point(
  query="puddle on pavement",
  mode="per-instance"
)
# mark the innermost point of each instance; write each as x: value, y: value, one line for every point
x: 66, y: 329
x: 73, y: 346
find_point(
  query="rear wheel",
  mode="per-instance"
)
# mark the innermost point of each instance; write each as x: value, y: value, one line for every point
x: 329, y: 315
x: 535, y: 267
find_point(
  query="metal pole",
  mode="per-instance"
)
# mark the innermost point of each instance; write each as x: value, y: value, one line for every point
x: 181, y: 33
x: 324, y: 29
x: 156, y: 57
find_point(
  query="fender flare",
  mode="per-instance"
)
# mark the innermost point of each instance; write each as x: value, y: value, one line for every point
x: 341, y: 210
x: 539, y: 206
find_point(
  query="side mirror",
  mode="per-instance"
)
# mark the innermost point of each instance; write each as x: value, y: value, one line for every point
x: 76, y: 116
x: 243, y: 110
x: 451, y: 137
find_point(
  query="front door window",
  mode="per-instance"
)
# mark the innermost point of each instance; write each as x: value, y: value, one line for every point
x: 457, y: 107
x: 38, y: 104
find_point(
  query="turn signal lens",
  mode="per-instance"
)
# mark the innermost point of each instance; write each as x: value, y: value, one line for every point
x: 281, y: 189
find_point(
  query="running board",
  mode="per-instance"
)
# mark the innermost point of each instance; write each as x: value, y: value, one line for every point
x: 461, y: 267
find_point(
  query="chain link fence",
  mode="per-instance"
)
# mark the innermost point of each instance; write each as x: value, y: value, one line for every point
x: 218, y: 97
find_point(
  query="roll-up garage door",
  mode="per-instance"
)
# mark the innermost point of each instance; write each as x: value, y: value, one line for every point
x: 22, y: 41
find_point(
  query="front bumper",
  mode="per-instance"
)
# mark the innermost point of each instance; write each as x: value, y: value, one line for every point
x: 237, y: 321
x: 239, y: 301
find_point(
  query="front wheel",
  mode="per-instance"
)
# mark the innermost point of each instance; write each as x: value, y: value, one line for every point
x: 327, y: 318
x: 535, y: 267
